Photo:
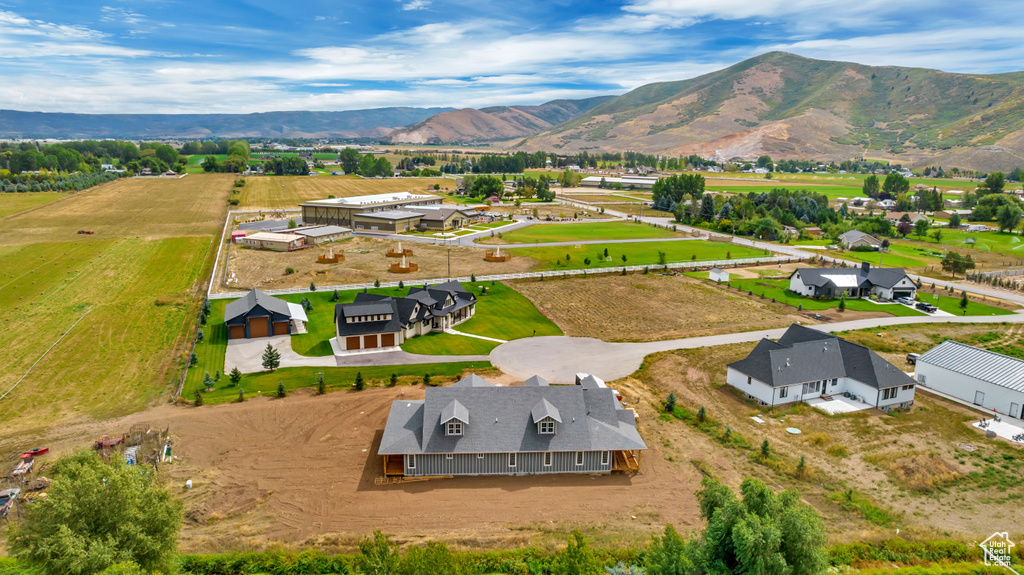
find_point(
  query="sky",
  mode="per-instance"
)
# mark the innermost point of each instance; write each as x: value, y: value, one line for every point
x: 177, y: 56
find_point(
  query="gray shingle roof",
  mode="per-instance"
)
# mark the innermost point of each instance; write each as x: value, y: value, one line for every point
x: 383, y: 306
x: 255, y: 297
x: 855, y: 235
x: 542, y: 409
x: 321, y: 231
x: 591, y: 420
x: 454, y: 410
x: 535, y: 381
x: 390, y: 215
x: 884, y: 277
x: 803, y: 355
x: 995, y: 368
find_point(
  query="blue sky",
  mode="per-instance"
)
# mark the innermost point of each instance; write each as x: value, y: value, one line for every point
x: 175, y: 56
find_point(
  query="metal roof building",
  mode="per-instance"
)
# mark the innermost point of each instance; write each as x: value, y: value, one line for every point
x: 985, y: 378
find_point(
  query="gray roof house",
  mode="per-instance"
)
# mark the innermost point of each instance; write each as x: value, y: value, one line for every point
x: 259, y: 314
x: 474, y: 427
x: 886, y: 283
x: 857, y: 239
x: 380, y: 322
x: 806, y: 363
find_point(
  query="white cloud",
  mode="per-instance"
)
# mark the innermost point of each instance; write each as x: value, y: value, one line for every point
x: 121, y: 15
x: 416, y: 5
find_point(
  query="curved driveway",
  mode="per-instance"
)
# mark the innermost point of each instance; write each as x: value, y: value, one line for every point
x: 559, y: 358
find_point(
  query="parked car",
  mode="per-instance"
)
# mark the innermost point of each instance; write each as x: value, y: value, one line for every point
x: 912, y: 358
x: 906, y: 300
x: 7, y: 497
x: 926, y: 307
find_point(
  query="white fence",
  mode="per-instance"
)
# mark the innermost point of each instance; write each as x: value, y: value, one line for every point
x: 528, y: 275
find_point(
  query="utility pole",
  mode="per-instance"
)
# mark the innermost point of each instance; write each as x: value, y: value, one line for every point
x: 449, y: 260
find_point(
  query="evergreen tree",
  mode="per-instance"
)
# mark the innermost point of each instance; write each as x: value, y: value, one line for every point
x: 271, y: 358
x: 241, y: 395
x: 281, y: 392
x: 193, y: 359
x: 235, y: 376
x: 766, y: 450
x: 198, y: 398
x: 669, y: 554
x: 964, y: 302
x: 394, y: 379
x: 842, y: 302
x: 426, y: 379
x: 336, y: 296
x: 199, y: 336
x: 670, y: 403
x: 359, y: 384
x: 321, y: 387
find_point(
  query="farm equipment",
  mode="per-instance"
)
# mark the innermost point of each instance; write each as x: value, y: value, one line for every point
x: 34, y: 452
x: 89, y: 232
x: 22, y: 469
x: 7, y: 498
x: 107, y: 442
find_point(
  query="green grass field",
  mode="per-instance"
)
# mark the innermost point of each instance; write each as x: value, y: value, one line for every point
x: 138, y: 297
x: 15, y: 203
x: 952, y: 305
x: 448, y: 344
x: 734, y: 187
x: 505, y: 314
x: 637, y: 254
x: 541, y: 233
x: 777, y: 289
x: 336, y: 378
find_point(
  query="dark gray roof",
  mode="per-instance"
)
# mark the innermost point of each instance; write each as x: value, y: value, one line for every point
x: 419, y: 305
x: 995, y: 368
x: 503, y: 421
x: 803, y: 355
x: 390, y: 214
x: 321, y: 231
x: 269, y: 225
x: 383, y: 306
x: 255, y: 297
x: 854, y: 235
x: 472, y: 380
x: 884, y: 277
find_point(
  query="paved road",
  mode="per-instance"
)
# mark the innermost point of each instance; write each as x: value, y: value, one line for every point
x: 587, y: 242
x: 559, y: 358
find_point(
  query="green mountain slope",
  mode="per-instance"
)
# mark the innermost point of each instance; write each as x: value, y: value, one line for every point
x: 790, y: 106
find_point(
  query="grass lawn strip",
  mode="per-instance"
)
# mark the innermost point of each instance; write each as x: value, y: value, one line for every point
x: 505, y: 314
x: 541, y: 233
x: 637, y: 254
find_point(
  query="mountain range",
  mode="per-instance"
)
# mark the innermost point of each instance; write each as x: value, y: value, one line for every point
x: 372, y: 123
x: 779, y: 104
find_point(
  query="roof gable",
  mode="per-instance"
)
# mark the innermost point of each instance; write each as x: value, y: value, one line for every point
x: 251, y: 300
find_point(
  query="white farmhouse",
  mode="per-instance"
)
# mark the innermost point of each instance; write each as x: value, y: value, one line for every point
x: 886, y: 283
x: 985, y: 378
x: 806, y: 363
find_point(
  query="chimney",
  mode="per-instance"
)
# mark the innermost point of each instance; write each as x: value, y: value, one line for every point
x: 865, y: 267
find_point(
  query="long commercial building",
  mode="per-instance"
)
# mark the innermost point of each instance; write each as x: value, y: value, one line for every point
x: 985, y: 378
x: 389, y: 213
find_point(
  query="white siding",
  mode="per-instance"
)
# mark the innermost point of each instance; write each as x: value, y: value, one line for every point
x: 997, y: 397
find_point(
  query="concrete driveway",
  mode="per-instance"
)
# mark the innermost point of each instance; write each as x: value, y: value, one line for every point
x: 247, y: 356
x: 559, y: 358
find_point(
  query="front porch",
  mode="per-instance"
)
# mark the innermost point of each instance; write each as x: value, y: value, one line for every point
x: 626, y: 461
x: 394, y: 465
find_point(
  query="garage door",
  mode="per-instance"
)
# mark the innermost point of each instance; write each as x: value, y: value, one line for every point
x: 352, y: 342
x: 259, y: 327
x: 237, y: 332
x: 281, y: 328
x: 369, y: 341
x: 387, y: 340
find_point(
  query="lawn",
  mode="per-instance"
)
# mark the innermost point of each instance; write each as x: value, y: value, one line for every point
x: 505, y: 314
x: 275, y: 192
x: 734, y: 187
x: 637, y: 254
x: 952, y: 305
x: 542, y: 233
x: 265, y: 383
x: 889, y: 260
x: 12, y: 203
x: 448, y: 344
x: 135, y: 299
x: 777, y: 290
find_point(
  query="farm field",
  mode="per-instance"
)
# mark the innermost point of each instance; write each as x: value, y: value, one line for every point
x: 734, y: 187
x: 134, y: 299
x: 856, y: 180
x: 142, y: 208
x: 277, y: 192
x: 603, y: 198
x: 546, y: 210
x: 619, y: 308
x: 637, y: 254
x: 15, y: 203
x: 543, y: 233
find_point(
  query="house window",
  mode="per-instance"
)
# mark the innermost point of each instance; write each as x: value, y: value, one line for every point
x: 547, y: 427
x: 920, y: 378
x: 547, y: 459
x: 579, y: 458
x: 783, y: 392
x: 511, y: 459
x: 454, y: 428
x: 748, y: 380
x: 412, y: 461
x: 889, y: 393
x: 908, y: 387
x: 449, y: 456
x: 605, y: 457
x: 835, y: 382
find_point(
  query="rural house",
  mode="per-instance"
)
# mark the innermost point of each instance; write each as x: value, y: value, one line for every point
x: 858, y: 239
x: 375, y: 322
x: 886, y: 283
x: 474, y: 427
x: 274, y: 242
x: 806, y: 364
x: 914, y: 217
x: 313, y: 235
x: 260, y: 314
x: 985, y: 378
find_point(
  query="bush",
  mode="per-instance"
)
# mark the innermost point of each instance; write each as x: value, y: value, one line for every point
x: 281, y: 392
x: 359, y: 384
x: 199, y: 399
x: 289, y: 271
x: 426, y: 379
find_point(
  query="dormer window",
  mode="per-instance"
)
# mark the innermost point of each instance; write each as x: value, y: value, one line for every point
x: 454, y: 428
x: 546, y: 427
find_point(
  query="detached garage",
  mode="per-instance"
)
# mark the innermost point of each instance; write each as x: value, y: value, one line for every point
x: 985, y: 378
x: 260, y: 314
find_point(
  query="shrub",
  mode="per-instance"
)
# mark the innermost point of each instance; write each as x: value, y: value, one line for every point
x: 376, y: 283
x: 241, y: 395
x: 281, y: 392
x: 289, y: 271
x: 198, y: 398
x: 670, y: 403
x: 359, y: 384
x: 766, y: 450
x: 312, y: 286
x: 394, y: 380
x: 702, y: 415
x: 426, y: 379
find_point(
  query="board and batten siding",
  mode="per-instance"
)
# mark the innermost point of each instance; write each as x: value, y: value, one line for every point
x: 497, y: 463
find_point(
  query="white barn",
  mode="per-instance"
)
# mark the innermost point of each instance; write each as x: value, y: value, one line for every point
x: 717, y: 275
x: 985, y: 378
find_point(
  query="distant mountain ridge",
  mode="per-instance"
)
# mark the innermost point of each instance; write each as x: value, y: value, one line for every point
x: 491, y: 124
x: 788, y: 106
x: 371, y: 123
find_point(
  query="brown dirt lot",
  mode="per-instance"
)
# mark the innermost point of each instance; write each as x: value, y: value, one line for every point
x: 364, y: 262
x: 146, y: 208
x: 545, y: 210
x: 650, y: 307
x: 272, y: 192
